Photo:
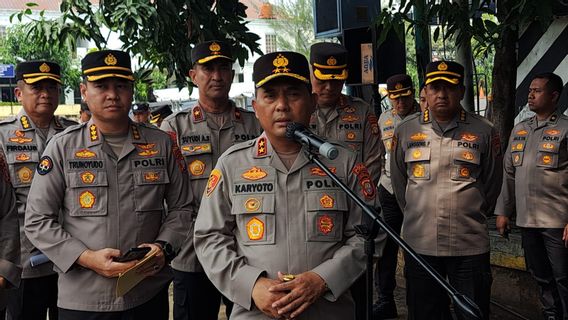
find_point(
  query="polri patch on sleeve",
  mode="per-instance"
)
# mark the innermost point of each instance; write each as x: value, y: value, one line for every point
x: 45, y: 165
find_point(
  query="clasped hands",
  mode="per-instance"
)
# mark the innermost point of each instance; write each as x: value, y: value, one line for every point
x: 281, y: 299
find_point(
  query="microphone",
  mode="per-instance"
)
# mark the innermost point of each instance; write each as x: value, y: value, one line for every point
x: 298, y: 132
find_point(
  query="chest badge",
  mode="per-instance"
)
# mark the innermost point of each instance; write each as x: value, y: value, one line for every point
x: 327, y: 201
x: 254, y: 173
x: 351, y: 135
x: 87, y: 177
x: 252, y: 205
x: 85, y: 154
x: 349, y: 109
x: 416, y: 154
x: 419, y: 136
x: 548, y: 146
x: 316, y: 171
x: 255, y: 229
x: 87, y: 199
x: 388, y: 122
x: 197, y: 167
x: 23, y: 157
x: 517, y: 147
x: 552, y: 132
x: 470, y: 137
x: 151, y: 176
x: 325, y: 224
x: 464, y: 172
x: 467, y: 155
x: 546, y: 159
x: 25, y: 175
x: 20, y: 138
x: 419, y: 171
x: 350, y: 118
x: 147, y: 150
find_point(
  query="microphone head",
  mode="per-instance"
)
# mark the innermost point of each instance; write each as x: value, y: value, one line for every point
x: 292, y: 127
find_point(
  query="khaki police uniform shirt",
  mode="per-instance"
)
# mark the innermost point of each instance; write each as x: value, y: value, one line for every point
x: 354, y: 123
x: 23, y: 145
x: 535, y: 183
x: 10, y: 268
x: 107, y: 201
x: 257, y: 218
x: 202, y: 141
x: 388, y: 121
x: 446, y: 182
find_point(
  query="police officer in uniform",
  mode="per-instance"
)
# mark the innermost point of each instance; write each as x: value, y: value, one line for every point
x: 347, y: 119
x: 340, y: 117
x: 534, y: 187
x: 401, y: 95
x: 109, y: 178
x: 141, y: 112
x: 23, y: 139
x: 10, y: 270
x: 273, y: 233
x: 204, y: 132
x: 446, y: 176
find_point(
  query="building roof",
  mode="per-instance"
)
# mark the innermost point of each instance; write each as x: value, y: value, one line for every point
x: 253, y: 8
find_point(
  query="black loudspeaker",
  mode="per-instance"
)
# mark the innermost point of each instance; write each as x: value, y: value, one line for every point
x: 388, y: 59
x: 331, y: 17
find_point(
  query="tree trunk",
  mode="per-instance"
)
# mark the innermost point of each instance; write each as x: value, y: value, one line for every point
x: 502, y: 110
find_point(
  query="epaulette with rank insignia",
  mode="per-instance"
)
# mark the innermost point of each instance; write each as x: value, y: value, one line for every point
x: 426, y: 116
x: 197, y: 114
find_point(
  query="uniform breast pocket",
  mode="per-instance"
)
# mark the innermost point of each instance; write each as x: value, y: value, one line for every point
x: 418, y: 163
x: 326, y: 213
x: 547, y: 155
x: 22, y: 167
x: 89, y: 193
x: 466, y: 164
x: 149, y: 189
x: 255, y: 218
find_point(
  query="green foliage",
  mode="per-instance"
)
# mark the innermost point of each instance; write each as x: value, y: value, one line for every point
x: 146, y: 81
x: 295, y: 25
x: 160, y: 32
x: 15, y: 46
x: 462, y: 22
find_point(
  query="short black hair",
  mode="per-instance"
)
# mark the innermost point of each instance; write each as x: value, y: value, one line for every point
x: 554, y: 82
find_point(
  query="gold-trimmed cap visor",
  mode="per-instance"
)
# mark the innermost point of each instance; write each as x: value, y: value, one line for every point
x: 34, y: 71
x: 449, y: 71
x: 210, y: 50
x: 400, y: 93
x: 323, y: 75
x: 103, y: 64
x: 280, y: 64
x: 329, y: 61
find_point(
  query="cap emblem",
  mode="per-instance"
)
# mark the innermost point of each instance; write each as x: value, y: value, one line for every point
x: 281, y: 62
x: 214, y: 48
x: 110, y: 60
x: 398, y: 86
x: 442, y: 66
x: 44, y: 68
x: 331, y: 61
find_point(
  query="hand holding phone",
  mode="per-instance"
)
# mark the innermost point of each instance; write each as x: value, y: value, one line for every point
x: 132, y: 254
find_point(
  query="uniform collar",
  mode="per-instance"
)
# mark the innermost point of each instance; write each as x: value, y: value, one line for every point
x: 462, y: 116
x: 95, y: 137
x: 26, y: 123
x: 263, y: 149
x: 552, y: 119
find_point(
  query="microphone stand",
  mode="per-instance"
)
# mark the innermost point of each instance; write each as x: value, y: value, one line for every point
x: 463, y: 305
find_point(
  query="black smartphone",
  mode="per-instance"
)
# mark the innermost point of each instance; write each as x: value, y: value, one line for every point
x: 132, y: 254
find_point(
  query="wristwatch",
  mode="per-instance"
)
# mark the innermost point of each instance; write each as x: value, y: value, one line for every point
x: 167, y: 249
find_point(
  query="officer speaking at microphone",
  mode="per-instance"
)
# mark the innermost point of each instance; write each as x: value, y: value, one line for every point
x: 100, y: 189
x: 273, y: 233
